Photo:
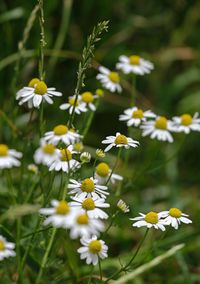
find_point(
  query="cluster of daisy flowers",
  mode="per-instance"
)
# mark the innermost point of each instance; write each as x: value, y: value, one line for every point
x: 155, y: 126
x: 173, y: 217
x: 83, y: 210
x: 159, y: 127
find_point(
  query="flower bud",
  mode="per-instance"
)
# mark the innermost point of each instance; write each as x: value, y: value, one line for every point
x: 100, y: 153
x: 122, y: 206
x: 85, y: 157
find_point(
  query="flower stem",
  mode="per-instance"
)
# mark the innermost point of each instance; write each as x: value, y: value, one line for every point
x: 44, y: 260
x: 42, y: 40
x: 88, y: 53
x: 90, y: 277
x: 124, y: 268
x: 100, y: 270
x: 115, y: 165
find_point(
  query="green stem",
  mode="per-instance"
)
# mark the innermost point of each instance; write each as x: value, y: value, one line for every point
x: 115, y: 165
x: 45, y: 257
x: 100, y: 270
x: 111, y: 223
x: 90, y: 277
x: 42, y: 40
x: 41, y: 119
x: 89, y: 121
x: 132, y: 258
x: 87, y: 54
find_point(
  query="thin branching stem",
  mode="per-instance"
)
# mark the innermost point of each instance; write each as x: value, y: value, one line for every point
x: 87, y: 55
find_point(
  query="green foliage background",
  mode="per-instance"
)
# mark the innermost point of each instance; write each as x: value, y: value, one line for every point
x: 160, y: 175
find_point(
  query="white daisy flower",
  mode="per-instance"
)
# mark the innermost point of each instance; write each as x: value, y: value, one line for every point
x: 79, y: 108
x: 87, y: 99
x: 6, y: 248
x: 46, y: 154
x: 159, y: 129
x: 92, y: 250
x: 9, y: 157
x: 134, y: 64
x: 186, y: 123
x: 149, y: 220
x: 36, y: 92
x: 64, y: 160
x: 119, y: 140
x: 91, y: 206
x: 60, y: 215
x: 109, y: 79
x: 134, y: 116
x: 102, y: 173
x: 61, y: 133
x: 85, y: 226
x: 88, y: 187
x: 175, y: 217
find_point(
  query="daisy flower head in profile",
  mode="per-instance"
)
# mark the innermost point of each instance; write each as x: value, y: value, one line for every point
x: 110, y: 80
x: 88, y: 187
x: 175, y: 217
x: 64, y: 160
x: 9, y: 157
x: 134, y: 64
x: 186, y: 123
x: 46, y: 154
x: 6, y: 248
x: 149, y: 220
x: 119, y: 140
x: 92, y: 250
x: 158, y: 129
x: 35, y: 93
x: 59, y: 215
x: 61, y: 133
x: 87, y: 99
x: 83, y: 225
x: 91, y: 205
x: 79, y: 105
x: 102, y: 173
x: 134, y: 116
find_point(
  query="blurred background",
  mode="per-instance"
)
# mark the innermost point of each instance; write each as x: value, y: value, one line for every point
x: 165, y: 32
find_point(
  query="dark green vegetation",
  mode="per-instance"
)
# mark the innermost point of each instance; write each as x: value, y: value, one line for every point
x: 160, y: 175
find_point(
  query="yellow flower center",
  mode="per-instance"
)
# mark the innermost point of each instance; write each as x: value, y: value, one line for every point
x: 151, y: 217
x: 49, y: 148
x: 87, y: 97
x: 175, y: 212
x: 95, y: 246
x: 78, y: 147
x: 2, y: 245
x: 82, y: 219
x: 33, y: 82
x: 72, y: 102
x: 3, y: 150
x: 121, y: 139
x: 134, y: 60
x: 161, y: 123
x: 186, y: 119
x: 60, y: 130
x: 102, y: 169
x: 138, y: 113
x: 114, y: 77
x: 66, y: 155
x: 87, y: 185
x: 40, y: 88
x: 88, y: 204
x: 99, y: 92
x: 62, y: 208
